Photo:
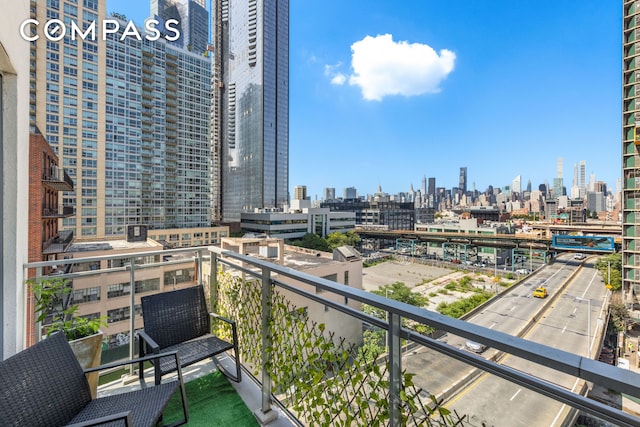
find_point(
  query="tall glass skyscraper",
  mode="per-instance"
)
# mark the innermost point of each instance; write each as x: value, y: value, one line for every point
x: 630, y: 147
x: 193, y: 18
x: 250, y: 105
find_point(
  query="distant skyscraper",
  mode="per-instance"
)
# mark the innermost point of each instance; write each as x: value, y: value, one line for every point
x: 583, y: 177
x: 329, y: 193
x: 251, y: 105
x: 300, y: 192
x: 193, y: 18
x: 432, y: 186
x: 528, y: 186
x: 559, y: 168
x: 516, y: 185
x: 462, y: 181
x: 350, y: 193
x: 558, y: 182
x: 424, y: 185
x: 575, y: 188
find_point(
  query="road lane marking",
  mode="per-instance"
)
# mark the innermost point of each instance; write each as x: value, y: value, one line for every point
x: 564, y: 329
x: 514, y: 396
x: 564, y: 405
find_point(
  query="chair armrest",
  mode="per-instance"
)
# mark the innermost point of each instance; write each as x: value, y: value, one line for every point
x: 225, y: 319
x: 126, y: 416
x: 137, y: 360
x: 155, y: 348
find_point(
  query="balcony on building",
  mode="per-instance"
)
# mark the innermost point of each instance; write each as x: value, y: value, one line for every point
x: 57, y: 178
x: 58, y: 244
x: 301, y: 370
x: 61, y: 212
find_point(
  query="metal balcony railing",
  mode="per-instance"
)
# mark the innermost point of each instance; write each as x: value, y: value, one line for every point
x: 57, y: 178
x: 62, y: 212
x: 256, y: 282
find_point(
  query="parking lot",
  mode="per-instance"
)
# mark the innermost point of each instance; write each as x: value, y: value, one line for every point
x: 428, y: 280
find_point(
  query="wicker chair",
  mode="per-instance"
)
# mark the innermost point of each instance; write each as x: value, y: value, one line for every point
x: 44, y: 385
x: 179, y: 321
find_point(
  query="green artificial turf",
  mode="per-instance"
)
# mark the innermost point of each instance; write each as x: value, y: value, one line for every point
x: 212, y: 401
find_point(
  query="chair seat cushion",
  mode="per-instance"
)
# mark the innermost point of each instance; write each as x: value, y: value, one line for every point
x: 193, y: 351
x: 146, y: 405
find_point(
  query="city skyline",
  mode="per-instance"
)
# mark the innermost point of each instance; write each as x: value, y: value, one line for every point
x: 471, y: 185
x: 518, y: 96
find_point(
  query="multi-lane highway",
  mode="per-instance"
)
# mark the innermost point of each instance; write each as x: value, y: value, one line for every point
x: 576, y: 301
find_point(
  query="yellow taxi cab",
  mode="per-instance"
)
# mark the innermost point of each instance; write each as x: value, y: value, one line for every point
x: 540, y: 292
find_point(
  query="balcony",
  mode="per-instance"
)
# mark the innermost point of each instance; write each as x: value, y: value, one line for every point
x: 57, y: 179
x: 62, y: 212
x: 58, y: 244
x: 320, y: 377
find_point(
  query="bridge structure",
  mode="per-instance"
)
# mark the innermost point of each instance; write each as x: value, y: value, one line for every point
x: 477, y: 246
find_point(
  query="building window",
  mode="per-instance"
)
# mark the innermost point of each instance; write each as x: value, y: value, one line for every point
x: 86, y: 295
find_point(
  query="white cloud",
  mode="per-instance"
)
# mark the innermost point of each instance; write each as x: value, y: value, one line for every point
x: 337, y: 78
x: 383, y: 67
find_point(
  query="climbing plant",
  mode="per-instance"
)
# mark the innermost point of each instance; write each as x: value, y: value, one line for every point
x: 323, y: 379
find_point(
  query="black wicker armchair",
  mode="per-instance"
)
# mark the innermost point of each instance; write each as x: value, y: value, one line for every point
x: 179, y: 321
x: 44, y: 385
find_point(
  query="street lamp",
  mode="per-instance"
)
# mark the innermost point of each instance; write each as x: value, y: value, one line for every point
x: 588, y: 324
x: 495, y: 266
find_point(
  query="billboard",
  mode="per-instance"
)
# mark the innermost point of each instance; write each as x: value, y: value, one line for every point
x: 583, y: 243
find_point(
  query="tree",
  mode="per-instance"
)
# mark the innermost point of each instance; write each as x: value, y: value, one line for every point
x: 313, y: 241
x: 610, y: 268
x: 397, y: 291
x: 400, y: 292
x: 338, y: 239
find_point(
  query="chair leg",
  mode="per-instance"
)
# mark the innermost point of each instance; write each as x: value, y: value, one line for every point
x: 238, y: 376
x: 141, y: 353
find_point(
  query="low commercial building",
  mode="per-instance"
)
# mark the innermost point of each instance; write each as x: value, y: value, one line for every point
x: 110, y: 296
x: 465, y: 252
x: 299, y: 220
x: 343, y: 266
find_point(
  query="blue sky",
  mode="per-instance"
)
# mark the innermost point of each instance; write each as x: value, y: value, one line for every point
x: 384, y: 92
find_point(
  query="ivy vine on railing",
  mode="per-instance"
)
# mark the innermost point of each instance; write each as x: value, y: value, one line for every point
x: 323, y: 379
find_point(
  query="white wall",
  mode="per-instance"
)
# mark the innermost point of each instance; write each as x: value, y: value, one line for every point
x: 14, y: 67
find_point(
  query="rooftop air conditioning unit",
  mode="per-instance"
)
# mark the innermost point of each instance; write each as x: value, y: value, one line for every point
x: 136, y: 233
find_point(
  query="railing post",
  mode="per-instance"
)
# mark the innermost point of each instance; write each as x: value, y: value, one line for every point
x: 199, y: 264
x: 132, y: 313
x: 266, y: 414
x: 38, y: 323
x: 213, y: 282
x: 395, y: 369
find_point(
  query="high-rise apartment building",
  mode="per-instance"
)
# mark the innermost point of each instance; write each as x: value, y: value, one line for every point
x: 250, y: 105
x: 128, y: 122
x: 630, y: 147
x: 193, y: 19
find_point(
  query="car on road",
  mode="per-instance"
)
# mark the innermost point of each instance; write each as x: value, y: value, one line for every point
x: 540, y: 292
x: 579, y: 256
x: 522, y: 271
x: 475, y: 347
